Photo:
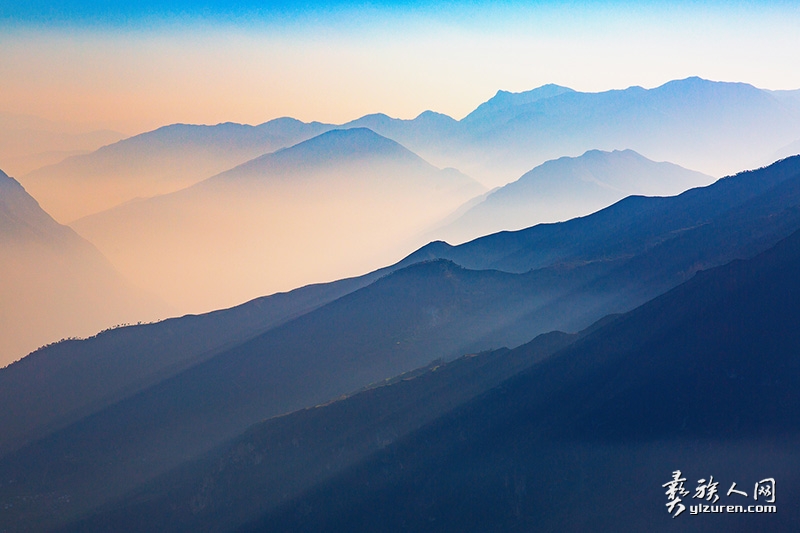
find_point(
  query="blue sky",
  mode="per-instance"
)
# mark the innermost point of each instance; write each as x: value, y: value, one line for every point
x: 136, y: 65
x: 126, y: 12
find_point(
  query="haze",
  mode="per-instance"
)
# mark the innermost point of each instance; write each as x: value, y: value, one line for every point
x: 132, y: 69
x: 78, y: 76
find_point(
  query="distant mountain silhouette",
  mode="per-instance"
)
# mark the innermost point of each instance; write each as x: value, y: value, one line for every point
x: 54, y: 284
x: 788, y: 150
x: 570, y: 275
x: 569, y: 187
x: 503, y: 105
x: 635, y: 225
x: 713, y: 127
x: 790, y: 98
x: 337, y: 205
x: 28, y: 142
x: 157, y: 162
x: 336, y: 147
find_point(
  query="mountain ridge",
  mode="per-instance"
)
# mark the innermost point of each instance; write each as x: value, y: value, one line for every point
x: 653, y: 391
x: 432, y: 309
x: 260, y: 227
x: 55, y: 284
x: 567, y: 188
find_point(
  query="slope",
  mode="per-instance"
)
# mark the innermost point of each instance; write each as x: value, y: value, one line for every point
x: 279, y: 459
x: 64, y: 382
x: 570, y: 187
x: 402, y: 321
x: 713, y: 127
x: 54, y: 284
x: 702, y: 379
x: 398, y: 323
x: 351, y: 197
x: 156, y: 162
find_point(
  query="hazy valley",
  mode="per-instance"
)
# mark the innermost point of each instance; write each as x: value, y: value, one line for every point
x: 386, y: 325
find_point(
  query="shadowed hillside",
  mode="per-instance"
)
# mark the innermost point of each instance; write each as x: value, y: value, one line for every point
x: 66, y: 381
x: 702, y: 380
x: 633, y: 398
x: 608, y: 262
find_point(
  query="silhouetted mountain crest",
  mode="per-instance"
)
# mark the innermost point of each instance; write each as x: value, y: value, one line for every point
x: 23, y: 221
x: 161, y: 161
x: 570, y: 187
x: 334, y: 147
x: 53, y: 283
x: 703, y: 377
x: 503, y: 101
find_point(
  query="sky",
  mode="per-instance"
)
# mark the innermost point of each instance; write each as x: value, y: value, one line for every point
x: 134, y: 66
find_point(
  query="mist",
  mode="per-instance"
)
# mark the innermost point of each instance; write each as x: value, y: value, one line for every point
x: 334, y: 207
x: 54, y: 284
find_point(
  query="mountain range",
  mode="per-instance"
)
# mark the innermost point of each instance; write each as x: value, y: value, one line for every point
x: 713, y: 127
x: 116, y: 197
x: 701, y: 381
x: 443, y: 301
x: 157, y: 162
x: 553, y: 377
x: 567, y: 432
x: 569, y: 187
x: 351, y: 197
x: 28, y: 142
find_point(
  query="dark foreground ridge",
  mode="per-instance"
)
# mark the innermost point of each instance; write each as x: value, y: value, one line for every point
x: 514, y: 287
x: 703, y: 379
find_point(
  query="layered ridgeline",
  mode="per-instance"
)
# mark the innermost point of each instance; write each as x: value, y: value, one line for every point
x: 702, y: 380
x: 713, y: 127
x: 28, y: 142
x: 276, y: 461
x: 157, y: 162
x: 54, y: 284
x: 62, y: 383
x: 558, y: 276
x: 342, y: 203
x: 582, y: 437
x: 570, y: 187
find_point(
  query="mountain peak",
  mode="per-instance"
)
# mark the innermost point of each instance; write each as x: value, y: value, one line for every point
x: 347, y: 142
x: 505, y: 100
x: 545, y: 91
x: 696, y: 83
x: 434, y: 117
x: 339, y: 146
x: 569, y: 187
